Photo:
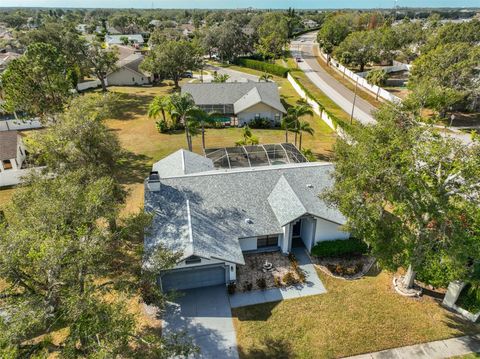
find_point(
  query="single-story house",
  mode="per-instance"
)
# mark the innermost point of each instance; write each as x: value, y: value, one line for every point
x: 136, y: 39
x: 6, y: 58
x: 244, y: 100
x: 213, y: 216
x: 12, y: 151
x: 128, y: 72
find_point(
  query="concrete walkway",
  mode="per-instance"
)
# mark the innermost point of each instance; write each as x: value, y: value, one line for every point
x: 204, y: 313
x: 312, y: 286
x: 434, y: 350
x: 341, y: 95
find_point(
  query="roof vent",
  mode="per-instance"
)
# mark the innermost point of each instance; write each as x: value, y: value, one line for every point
x: 248, y: 221
x: 153, y: 183
x: 310, y: 185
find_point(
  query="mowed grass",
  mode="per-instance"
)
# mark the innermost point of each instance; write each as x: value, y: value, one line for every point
x: 5, y: 196
x: 139, y: 136
x: 353, y: 317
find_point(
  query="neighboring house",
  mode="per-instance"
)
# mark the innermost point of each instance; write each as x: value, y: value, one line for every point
x: 12, y: 157
x: 310, y: 24
x: 82, y: 28
x: 136, y: 39
x: 244, y: 101
x: 128, y: 72
x: 213, y: 216
x: 5, y: 58
x: 187, y: 29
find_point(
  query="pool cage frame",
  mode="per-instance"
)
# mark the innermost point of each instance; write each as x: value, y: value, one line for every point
x: 255, y: 155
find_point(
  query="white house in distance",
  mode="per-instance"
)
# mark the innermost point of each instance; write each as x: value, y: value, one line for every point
x: 12, y: 157
x: 128, y: 72
x: 136, y: 39
x: 244, y: 101
x: 214, y: 209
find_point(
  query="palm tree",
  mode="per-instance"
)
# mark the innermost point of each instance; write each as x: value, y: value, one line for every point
x: 265, y: 77
x: 158, y: 106
x: 307, y: 152
x: 183, y: 108
x: 304, y: 126
x: 295, y: 113
x: 248, y: 138
x: 287, y: 125
x: 201, y: 117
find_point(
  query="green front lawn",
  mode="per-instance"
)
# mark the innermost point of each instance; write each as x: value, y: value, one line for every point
x: 353, y: 317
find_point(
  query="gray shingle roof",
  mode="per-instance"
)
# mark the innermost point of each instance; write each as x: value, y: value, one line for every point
x: 8, y: 145
x: 182, y: 163
x: 206, y: 213
x: 241, y: 95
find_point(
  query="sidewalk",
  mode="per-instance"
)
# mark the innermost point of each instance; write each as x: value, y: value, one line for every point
x: 312, y: 286
x: 434, y: 350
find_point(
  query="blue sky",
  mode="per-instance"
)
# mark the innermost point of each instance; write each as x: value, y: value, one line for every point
x: 240, y: 3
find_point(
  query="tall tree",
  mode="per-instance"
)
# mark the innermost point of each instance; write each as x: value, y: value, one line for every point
x: 273, y: 35
x: 304, y: 127
x: 359, y: 48
x: 333, y: 31
x: 452, y: 70
x: 173, y: 58
x: 37, y: 82
x: 101, y: 61
x: 295, y: 113
x: 183, y: 108
x: 412, y: 195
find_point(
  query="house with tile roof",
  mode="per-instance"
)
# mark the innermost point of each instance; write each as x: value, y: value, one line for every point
x: 212, y: 215
x: 244, y: 101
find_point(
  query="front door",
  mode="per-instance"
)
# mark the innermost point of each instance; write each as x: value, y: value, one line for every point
x: 297, y: 228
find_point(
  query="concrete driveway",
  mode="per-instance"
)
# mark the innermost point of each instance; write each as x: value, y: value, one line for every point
x: 205, y: 314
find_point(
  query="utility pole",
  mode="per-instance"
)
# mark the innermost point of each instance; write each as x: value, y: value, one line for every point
x: 354, y: 100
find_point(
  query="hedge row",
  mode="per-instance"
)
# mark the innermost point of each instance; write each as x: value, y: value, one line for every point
x: 263, y: 66
x: 339, y: 248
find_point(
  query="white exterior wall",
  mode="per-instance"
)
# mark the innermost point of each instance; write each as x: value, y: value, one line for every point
x: 248, y: 244
x: 307, y: 232
x: 327, y: 231
x: 286, y: 242
x: 264, y: 111
x: 127, y: 77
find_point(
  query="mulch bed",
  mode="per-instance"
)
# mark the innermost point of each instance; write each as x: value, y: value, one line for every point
x: 346, y: 268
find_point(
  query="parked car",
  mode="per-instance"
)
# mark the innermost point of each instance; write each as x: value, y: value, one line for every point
x: 298, y: 59
x: 187, y: 75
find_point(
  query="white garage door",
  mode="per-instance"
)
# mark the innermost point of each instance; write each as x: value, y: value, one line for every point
x: 181, y: 279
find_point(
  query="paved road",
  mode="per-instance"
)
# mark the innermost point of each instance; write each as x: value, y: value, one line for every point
x: 341, y: 95
x: 205, y: 314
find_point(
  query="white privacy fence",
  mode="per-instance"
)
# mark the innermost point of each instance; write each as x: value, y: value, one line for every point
x: 377, y: 90
x: 82, y: 86
x: 17, y: 125
x: 14, y: 177
x: 315, y: 106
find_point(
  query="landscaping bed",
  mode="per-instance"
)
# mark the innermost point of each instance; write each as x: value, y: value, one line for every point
x: 253, y: 276
x: 344, y: 258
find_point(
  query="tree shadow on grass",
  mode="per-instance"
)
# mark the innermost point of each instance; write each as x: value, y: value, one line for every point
x: 269, y: 348
x: 259, y: 312
x: 131, y: 105
x: 134, y: 168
